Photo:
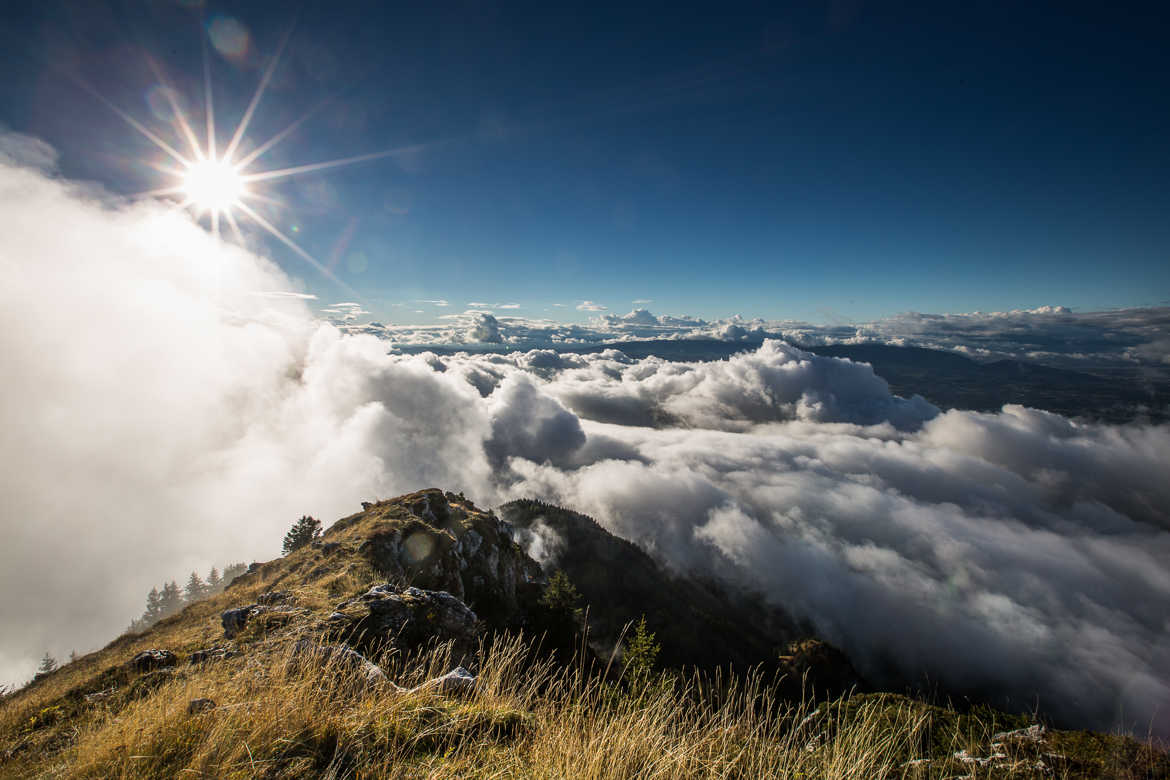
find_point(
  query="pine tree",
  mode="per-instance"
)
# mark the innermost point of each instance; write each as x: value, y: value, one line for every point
x: 72, y: 656
x: 171, y: 599
x: 640, y: 657
x: 154, y: 610
x: 560, y: 616
x: 196, y: 588
x: 214, y: 583
x: 48, y: 665
x: 303, y: 532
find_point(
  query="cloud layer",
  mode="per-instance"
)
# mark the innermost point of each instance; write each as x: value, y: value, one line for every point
x: 172, y: 413
x: 1131, y: 340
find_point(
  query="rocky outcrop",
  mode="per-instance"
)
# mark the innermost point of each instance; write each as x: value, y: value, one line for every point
x: 441, y: 542
x: 407, y: 618
x: 234, y: 620
x: 207, y: 655
x: 817, y: 668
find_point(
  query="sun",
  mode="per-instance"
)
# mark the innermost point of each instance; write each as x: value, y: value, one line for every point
x: 213, y: 185
x: 222, y: 185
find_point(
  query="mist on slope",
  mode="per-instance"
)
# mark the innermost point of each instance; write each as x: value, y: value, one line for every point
x: 170, y: 402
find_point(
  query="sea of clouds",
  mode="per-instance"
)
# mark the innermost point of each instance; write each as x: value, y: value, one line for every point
x: 170, y: 402
x: 1133, y: 342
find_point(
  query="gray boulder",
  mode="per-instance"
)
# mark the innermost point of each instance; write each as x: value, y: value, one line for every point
x: 234, y: 620
x: 457, y: 682
x: 149, y: 660
x: 408, y: 618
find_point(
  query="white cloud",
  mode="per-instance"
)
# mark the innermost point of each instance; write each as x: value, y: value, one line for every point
x: 590, y: 306
x: 287, y: 294
x: 642, y: 301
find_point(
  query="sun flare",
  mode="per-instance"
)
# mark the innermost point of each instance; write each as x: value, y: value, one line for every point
x: 222, y: 186
x: 213, y: 185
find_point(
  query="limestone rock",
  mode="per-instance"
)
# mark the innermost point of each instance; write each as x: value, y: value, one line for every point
x: 446, y: 544
x: 458, y: 681
x: 211, y: 654
x: 407, y: 618
x: 149, y: 660
x: 339, y: 657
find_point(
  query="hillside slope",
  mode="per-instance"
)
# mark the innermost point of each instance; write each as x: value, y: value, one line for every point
x: 376, y: 652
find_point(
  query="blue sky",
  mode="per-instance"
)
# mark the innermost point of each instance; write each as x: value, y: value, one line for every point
x: 824, y: 162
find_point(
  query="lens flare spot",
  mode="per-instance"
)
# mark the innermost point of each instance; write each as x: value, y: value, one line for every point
x: 229, y: 37
x: 418, y: 547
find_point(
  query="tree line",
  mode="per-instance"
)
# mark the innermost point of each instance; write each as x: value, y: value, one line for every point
x: 170, y: 598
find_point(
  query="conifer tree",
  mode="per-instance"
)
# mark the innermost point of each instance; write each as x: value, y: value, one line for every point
x: 303, y: 532
x: 640, y: 657
x: 47, y: 666
x: 214, y: 583
x: 171, y: 599
x: 153, y: 607
x: 195, y: 589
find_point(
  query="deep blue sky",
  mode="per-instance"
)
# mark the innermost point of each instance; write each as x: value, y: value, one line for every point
x: 818, y: 161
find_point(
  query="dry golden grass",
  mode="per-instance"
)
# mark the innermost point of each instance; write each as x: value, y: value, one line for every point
x: 278, y: 718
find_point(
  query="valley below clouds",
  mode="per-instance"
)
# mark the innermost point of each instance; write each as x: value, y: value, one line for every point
x: 170, y: 402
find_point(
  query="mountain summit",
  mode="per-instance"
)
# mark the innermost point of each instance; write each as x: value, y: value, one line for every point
x: 422, y: 637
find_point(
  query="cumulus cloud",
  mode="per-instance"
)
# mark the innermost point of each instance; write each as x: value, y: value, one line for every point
x: 590, y: 306
x: 168, y: 417
x: 484, y: 328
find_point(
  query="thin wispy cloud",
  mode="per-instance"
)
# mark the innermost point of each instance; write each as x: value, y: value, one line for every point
x: 590, y: 306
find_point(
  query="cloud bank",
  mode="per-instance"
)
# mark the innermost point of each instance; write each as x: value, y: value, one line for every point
x: 1131, y: 340
x: 171, y: 413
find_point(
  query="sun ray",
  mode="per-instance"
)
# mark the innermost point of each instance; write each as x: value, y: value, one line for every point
x: 160, y: 143
x: 247, y: 118
x: 168, y: 170
x: 235, y: 227
x: 159, y: 193
x: 263, y: 199
x: 209, y: 106
x: 320, y: 166
x: 178, y: 117
x: 294, y: 246
x: 285, y: 133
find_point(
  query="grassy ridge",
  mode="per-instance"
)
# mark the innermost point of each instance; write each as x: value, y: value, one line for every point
x: 276, y: 716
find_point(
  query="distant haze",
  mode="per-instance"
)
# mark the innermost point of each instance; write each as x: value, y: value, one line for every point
x: 169, y: 403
